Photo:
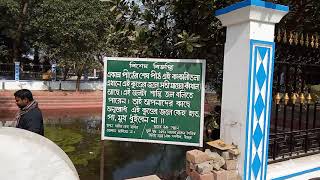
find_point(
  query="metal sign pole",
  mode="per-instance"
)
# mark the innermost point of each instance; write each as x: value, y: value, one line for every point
x: 102, y: 160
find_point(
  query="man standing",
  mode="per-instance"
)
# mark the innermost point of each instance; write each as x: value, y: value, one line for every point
x: 29, y: 117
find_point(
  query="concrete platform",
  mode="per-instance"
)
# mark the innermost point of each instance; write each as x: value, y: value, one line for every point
x: 152, y: 177
x: 55, y: 103
x: 296, y: 169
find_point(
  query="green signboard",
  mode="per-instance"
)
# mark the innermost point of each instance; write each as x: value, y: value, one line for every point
x: 154, y: 100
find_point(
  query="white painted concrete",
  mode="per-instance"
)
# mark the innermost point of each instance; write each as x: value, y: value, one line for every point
x: 46, y: 85
x: 235, y: 88
x: 151, y: 177
x: 1, y: 85
x: 68, y: 85
x: 29, y: 156
x: 293, y: 166
x: 251, y: 13
x: 92, y: 86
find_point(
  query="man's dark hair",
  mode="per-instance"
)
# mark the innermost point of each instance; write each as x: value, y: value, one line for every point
x: 24, y: 94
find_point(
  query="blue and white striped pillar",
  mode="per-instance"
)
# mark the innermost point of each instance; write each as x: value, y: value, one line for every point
x: 17, y: 71
x: 247, y: 81
x: 54, y: 72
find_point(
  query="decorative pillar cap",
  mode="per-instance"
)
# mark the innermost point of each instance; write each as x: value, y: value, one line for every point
x: 255, y: 10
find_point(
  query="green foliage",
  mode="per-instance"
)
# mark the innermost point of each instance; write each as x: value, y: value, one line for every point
x: 79, y: 33
x: 212, y: 120
x: 9, y: 18
x: 302, y: 17
x: 188, y: 42
x: 74, y: 33
x: 66, y: 139
x: 72, y: 142
x: 315, y: 89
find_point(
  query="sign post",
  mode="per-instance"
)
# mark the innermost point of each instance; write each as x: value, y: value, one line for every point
x: 154, y: 100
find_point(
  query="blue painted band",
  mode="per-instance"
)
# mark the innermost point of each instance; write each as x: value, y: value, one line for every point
x: 17, y: 71
x: 255, y: 55
x: 246, y: 3
x: 248, y: 118
x: 269, y: 113
x: 250, y: 111
x: 297, y: 174
x: 268, y: 83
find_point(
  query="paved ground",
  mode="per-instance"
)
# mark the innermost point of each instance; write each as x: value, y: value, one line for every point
x: 296, y: 169
x: 64, y: 103
x: 55, y: 103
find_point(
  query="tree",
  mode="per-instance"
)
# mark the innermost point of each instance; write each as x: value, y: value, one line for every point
x: 60, y: 30
x: 188, y: 29
x: 180, y: 29
x: 14, y: 15
x: 73, y: 33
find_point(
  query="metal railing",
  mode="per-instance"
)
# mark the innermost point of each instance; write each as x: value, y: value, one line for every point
x: 27, y: 71
x: 6, y: 71
x: 35, y: 72
x: 295, y: 118
x: 42, y: 72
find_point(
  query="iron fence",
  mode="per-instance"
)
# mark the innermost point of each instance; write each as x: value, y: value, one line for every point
x: 295, y: 118
x: 27, y: 71
x: 6, y: 71
x: 43, y: 72
x: 35, y: 72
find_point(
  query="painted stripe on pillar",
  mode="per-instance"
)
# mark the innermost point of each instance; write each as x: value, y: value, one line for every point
x: 269, y: 112
x: 246, y: 3
x: 258, y: 109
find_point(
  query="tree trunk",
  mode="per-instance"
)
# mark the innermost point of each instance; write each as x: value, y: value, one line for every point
x: 78, y: 83
x: 17, y: 38
x: 65, y: 73
x: 36, y: 59
x: 100, y: 59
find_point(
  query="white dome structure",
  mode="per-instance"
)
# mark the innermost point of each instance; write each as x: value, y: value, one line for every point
x: 28, y: 156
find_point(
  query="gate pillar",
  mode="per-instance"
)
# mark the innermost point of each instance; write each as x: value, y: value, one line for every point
x: 247, y: 81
